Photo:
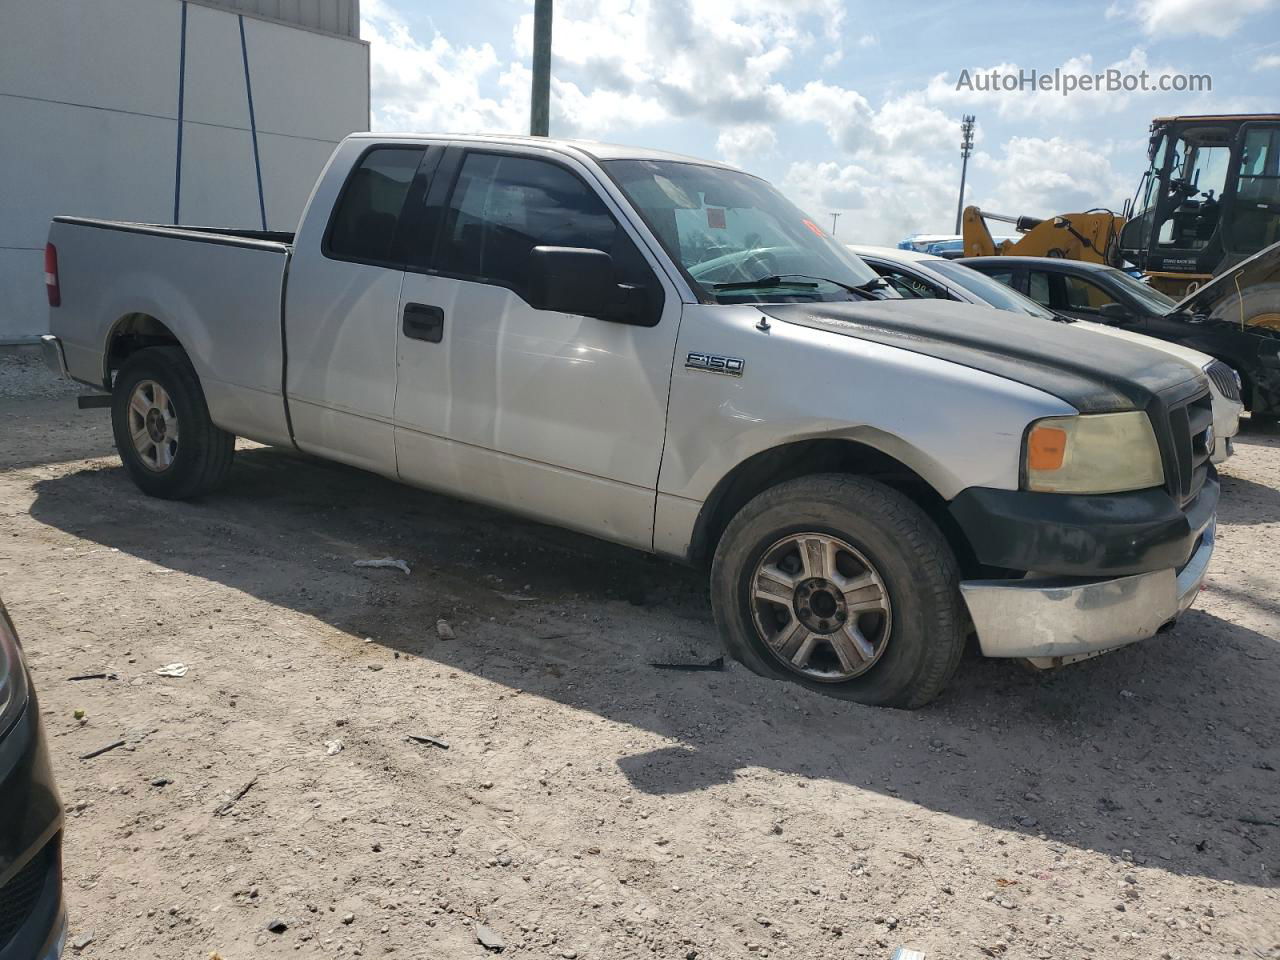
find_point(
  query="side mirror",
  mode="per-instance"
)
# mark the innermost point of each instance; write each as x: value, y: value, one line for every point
x: 571, y: 280
x: 1114, y: 313
x: 582, y: 281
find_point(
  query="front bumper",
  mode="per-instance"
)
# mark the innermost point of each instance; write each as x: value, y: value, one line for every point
x: 1048, y: 618
x: 32, y: 912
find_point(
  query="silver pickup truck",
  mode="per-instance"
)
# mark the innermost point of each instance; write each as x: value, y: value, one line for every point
x: 666, y: 353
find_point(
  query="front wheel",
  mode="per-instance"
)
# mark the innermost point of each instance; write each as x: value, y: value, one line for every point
x: 843, y: 585
x: 163, y: 432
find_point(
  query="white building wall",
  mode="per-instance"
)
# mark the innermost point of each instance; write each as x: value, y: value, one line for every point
x: 89, y: 123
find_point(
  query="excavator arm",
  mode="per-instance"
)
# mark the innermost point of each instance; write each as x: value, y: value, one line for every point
x: 1087, y: 236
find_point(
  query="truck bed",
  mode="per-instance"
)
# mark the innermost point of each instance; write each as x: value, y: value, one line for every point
x: 218, y: 291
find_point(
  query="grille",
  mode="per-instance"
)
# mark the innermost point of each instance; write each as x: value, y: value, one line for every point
x: 18, y: 897
x: 1189, y: 424
x: 1224, y: 378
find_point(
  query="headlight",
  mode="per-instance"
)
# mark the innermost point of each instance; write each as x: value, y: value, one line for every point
x: 13, y: 676
x: 1092, y: 453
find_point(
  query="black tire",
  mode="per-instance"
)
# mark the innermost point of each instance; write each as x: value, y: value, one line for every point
x: 198, y: 462
x: 923, y: 633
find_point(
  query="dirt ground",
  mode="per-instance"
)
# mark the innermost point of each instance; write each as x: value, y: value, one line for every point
x: 589, y: 805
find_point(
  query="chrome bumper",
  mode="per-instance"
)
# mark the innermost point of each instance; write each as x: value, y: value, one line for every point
x: 1046, y: 618
x: 54, y: 358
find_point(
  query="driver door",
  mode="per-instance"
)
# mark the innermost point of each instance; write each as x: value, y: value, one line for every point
x: 557, y: 416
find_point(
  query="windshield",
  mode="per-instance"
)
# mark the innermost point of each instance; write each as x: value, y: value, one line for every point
x: 990, y: 291
x: 727, y: 227
x: 1150, y: 298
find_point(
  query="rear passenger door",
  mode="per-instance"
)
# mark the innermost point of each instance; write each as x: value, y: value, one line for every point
x: 342, y: 305
x: 555, y: 415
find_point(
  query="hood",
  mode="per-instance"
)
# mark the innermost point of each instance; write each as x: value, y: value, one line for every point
x: 1093, y: 373
x: 1192, y: 357
x: 1262, y: 267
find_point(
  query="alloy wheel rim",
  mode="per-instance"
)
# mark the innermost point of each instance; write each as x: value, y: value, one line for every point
x: 821, y: 607
x: 153, y: 425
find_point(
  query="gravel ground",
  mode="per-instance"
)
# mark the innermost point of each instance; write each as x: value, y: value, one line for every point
x: 588, y: 805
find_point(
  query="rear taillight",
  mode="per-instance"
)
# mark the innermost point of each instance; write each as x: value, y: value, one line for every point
x: 51, y: 275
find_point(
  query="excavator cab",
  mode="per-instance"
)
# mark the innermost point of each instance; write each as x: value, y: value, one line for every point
x: 1210, y: 198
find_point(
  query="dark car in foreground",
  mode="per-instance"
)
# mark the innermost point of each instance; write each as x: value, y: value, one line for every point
x: 32, y: 914
x: 1093, y: 291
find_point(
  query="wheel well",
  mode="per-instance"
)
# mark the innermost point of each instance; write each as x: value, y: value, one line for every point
x: 803, y: 458
x: 131, y: 333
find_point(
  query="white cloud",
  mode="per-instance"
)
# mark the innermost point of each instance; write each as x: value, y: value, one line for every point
x: 1219, y: 18
x: 1269, y: 62
x: 1042, y: 177
x: 435, y: 85
x: 745, y: 145
x: 716, y: 60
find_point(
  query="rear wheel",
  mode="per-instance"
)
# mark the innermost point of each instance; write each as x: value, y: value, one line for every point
x: 163, y: 432
x: 843, y: 585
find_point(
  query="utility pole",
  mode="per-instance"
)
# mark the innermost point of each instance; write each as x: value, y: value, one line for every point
x: 834, y: 218
x: 966, y: 148
x: 540, y: 98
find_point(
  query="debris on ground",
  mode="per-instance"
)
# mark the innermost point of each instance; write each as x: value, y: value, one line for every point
x: 276, y: 925
x: 78, y: 713
x: 716, y: 664
x: 332, y: 747
x: 82, y: 941
x: 906, y: 953
x: 95, y: 676
x: 224, y: 808
x: 172, y: 670
x: 489, y: 939
x: 387, y: 562
x: 101, y: 750
x: 423, y: 738
x: 444, y: 631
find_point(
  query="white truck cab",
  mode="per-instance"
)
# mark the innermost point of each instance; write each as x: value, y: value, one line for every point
x: 665, y: 353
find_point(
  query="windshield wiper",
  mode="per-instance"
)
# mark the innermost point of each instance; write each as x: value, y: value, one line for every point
x: 785, y: 280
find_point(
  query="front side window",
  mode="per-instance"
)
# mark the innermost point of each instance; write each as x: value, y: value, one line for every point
x: 1152, y: 300
x: 368, y: 211
x: 726, y: 227
x: 504, y: 206
x: 1084, y: 296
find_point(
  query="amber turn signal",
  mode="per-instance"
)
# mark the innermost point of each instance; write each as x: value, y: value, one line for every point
x: 1046, y: 448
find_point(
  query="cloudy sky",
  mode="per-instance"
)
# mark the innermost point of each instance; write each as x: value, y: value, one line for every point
x: 848, y: 105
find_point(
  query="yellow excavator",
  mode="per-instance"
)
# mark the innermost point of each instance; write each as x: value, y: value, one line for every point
x: 1205, y: 219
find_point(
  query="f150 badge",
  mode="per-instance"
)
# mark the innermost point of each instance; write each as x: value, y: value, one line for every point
x: 713, y: 363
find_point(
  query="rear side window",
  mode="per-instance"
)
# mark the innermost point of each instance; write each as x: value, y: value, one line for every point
x: 503, y: 206
x: 909, y: 285
x: 364, y: 222
x: 1038, y: 289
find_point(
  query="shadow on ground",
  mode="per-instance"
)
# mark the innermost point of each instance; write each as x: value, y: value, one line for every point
x: 1165, y: 751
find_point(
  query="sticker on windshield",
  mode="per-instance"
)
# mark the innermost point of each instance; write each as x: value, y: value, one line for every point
x: 715, y: 218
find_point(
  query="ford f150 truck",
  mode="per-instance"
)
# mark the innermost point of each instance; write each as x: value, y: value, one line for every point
x: 665, y: 353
